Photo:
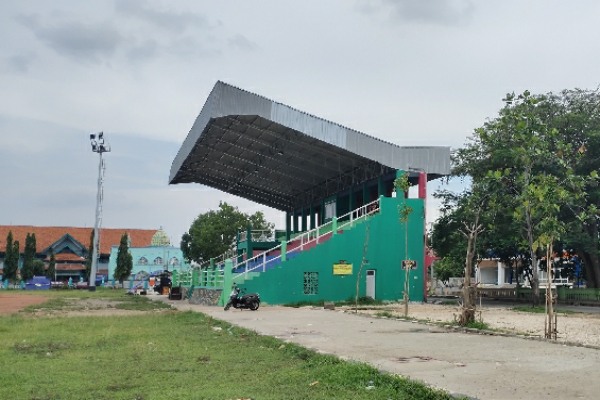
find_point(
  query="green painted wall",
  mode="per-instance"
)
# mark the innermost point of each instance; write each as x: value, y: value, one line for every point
x: 385, y: 253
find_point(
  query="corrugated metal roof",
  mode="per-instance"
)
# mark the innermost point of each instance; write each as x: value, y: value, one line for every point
x: 247, y: 145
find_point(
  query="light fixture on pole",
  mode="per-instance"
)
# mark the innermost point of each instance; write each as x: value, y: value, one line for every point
x: 98, y: 146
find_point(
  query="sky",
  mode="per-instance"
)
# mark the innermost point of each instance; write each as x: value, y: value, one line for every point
x: 410, y: 72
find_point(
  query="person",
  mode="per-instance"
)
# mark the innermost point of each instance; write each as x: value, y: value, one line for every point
x: 234, y: 291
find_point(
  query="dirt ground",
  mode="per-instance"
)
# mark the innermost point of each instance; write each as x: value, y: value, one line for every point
x: 12, y: 303
x: 573, y: 328
x: 576, y: 328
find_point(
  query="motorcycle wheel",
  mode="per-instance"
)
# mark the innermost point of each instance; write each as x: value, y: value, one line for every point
x: 227, y: 306
x: 254, y: 305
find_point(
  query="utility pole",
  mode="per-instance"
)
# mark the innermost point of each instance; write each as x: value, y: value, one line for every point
x: 98, y: 146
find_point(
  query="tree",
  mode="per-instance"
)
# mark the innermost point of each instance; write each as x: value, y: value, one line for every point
x: 214, y: 232
x: 11, y: 258
x: 402, y: 184
x: 51, y: 271
x: 124, y: 260
x: 576, y: 116
x: 39, y: 267
x: 27, y: 270
x: 532, y: 166
x: 465, y: 217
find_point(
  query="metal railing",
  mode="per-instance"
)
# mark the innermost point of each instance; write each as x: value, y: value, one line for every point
x: 259, y: 235
x: 302, y: 240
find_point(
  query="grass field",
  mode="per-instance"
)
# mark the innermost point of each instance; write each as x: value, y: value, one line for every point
x: 46, y: 353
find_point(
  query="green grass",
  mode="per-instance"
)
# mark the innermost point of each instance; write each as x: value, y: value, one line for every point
x: 478, y: 325
x: 384, y: 314
x: 173, y: 354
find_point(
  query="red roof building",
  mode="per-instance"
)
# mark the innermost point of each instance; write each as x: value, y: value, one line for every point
x: 70, y: 245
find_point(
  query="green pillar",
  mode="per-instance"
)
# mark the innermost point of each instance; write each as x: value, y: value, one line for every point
x: 380, y: 187
x: 227, y: 282
x: 283, y: 251
x: 334, y: 225
x: 195, y: 277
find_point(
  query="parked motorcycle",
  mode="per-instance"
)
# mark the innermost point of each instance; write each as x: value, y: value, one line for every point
x: 249, y: 301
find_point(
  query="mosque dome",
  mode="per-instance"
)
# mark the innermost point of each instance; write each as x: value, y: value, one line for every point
x: 160, y: 238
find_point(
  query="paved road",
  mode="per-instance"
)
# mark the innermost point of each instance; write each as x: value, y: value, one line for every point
x: 479, y: 366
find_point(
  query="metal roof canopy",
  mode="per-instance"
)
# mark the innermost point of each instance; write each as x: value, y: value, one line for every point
x: 252, y: 147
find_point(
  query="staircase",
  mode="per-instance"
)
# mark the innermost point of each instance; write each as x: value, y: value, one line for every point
x: 302, y: 242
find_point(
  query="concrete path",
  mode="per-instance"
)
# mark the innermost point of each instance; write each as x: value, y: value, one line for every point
x: 479, y: 366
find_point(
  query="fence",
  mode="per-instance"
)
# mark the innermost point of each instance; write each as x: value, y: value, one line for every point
x: 564, y: 295
x: 207, y: 278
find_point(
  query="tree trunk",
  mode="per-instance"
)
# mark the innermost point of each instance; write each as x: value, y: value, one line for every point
x: 550, y: 328
x: 591, y: 259
x: 535, y: 280
x: 592, y: 273
x: 469, y: 305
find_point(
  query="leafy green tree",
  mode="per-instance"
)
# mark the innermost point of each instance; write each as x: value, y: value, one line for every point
x: 27, y: 270
x: 455, y: 239
x: 576, y: 116
x: 51, y: 270
x: 124, y: 260
x: 39, y: 267
x: 401, y: 185
x: 11, y: 258
x: 531, y: 164
x: 214, y: 232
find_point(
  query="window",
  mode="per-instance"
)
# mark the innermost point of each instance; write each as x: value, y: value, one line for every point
x: 174, y: 261
x: 311, y: 283
x: 158, y: 261
x: 143, y: 261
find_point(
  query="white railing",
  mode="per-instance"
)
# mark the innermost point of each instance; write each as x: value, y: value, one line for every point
x: 264, y: 235
x: 307, y: 238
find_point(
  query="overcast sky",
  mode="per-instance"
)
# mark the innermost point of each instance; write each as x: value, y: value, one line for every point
x: 411, y: 72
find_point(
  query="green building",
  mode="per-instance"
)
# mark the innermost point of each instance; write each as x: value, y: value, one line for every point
x: 151, y: 260
x: 336, y: 186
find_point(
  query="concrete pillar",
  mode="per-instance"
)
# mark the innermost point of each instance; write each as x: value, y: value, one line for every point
x: 227, y: 282
x: 283, y: 251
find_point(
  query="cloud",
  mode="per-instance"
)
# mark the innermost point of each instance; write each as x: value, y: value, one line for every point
x: 86, y: 42
x: 434, y: 12
x: 20, y: 63
x: 241, y: 42
x: 168, y: 20
x: 146, y: 50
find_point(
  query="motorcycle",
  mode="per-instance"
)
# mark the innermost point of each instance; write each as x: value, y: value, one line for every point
x: 249, y: 301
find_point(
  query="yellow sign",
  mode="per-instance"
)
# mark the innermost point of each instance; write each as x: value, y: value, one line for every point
x: 342, y: 269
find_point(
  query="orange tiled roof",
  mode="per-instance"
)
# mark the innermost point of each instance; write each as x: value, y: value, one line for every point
x: 47, y: 235
x: 61, y: 257
x: 70, y: 267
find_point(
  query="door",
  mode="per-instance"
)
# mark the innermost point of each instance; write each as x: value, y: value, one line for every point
x: 371, y: 283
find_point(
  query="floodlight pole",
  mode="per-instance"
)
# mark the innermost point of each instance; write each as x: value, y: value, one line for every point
x: 98, y: 146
